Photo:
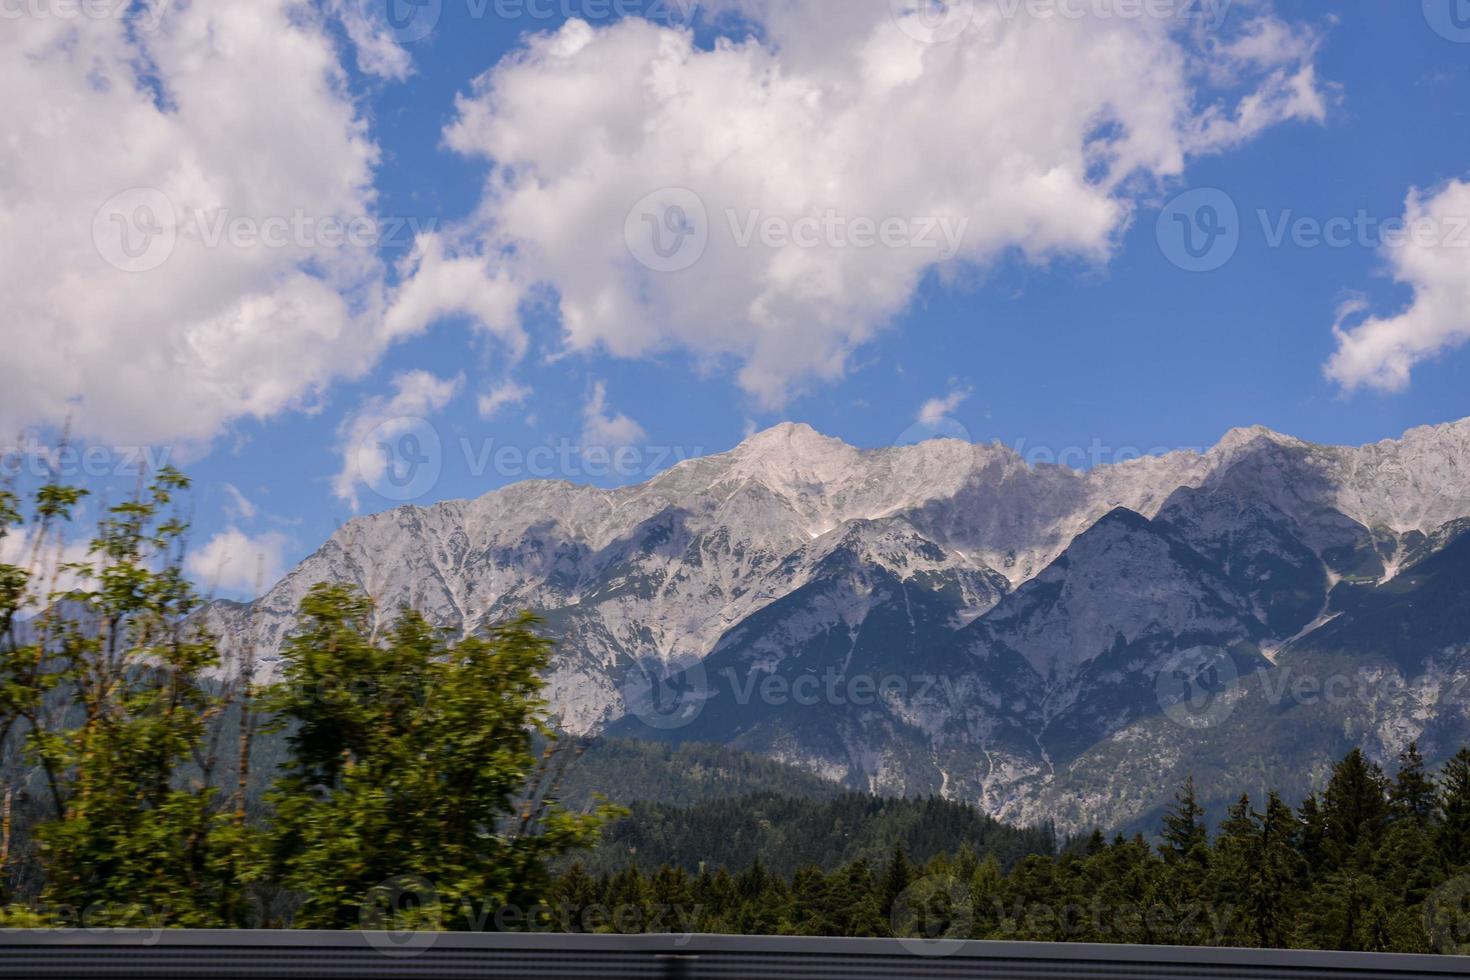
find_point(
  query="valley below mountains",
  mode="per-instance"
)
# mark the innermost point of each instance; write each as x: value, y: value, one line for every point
x: 943, y: 618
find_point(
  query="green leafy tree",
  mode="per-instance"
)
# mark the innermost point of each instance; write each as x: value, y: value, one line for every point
x: 407, y: 757
x: 113, y: 697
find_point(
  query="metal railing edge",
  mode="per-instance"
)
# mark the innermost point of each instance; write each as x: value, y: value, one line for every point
x: 693, y: 944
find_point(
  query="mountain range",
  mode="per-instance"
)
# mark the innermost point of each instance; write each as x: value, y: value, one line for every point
x: 946, y: 618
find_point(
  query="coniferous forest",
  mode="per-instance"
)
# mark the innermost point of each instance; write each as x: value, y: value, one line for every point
x: 1372, y: 863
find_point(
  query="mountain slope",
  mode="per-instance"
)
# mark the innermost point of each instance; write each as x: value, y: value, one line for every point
x: 971, y: 626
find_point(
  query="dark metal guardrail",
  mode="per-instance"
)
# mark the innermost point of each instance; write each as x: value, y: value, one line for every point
x: 222, y: 954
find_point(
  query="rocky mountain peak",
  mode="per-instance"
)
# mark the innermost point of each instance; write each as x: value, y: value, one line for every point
x: 1045, y: 596
x: 794, y: 457
x: 1249, y: 436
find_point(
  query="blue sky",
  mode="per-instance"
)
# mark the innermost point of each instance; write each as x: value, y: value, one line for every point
x: 1050, y: 333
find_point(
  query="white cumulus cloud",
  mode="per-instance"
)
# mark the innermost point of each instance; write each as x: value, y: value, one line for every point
x: 803, y: 182
x: 436, y: 285
x: 1430, y: 253
x: 178, y: 182
x: 378, y: 52
x: 237, y: 563
x: 161, y: 246
x: 189, y: 229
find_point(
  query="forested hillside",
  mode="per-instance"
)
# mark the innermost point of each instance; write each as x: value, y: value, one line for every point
x: 628, y: 770
x: 1371, y: 863
x: 786, y: 833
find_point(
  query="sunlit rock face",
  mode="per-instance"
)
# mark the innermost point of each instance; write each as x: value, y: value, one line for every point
x: 1012, y: 620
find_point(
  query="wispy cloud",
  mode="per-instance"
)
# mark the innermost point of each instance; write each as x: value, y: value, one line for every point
x: 502, y: 396
x: 416, y: 396
x: 936, y: 409
x: 238, y: 507
x: 604, y: 428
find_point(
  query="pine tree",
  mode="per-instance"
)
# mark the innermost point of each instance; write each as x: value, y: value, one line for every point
x: 1266, y: 879
x: 751, y: 883
x: 1406, y: 863
x: 573, y: 893
x: 1338, y: 911
x: 986, y: 883
x: 1413, y: 795
x: 627, y: 901
x: 1180, y: 882
x: 1452, y: 839
x: 1232, y: 876
x: 1313, y: 830
x: 809, y: 903
x: 965, y: 862
x: 896, y: 879
x: 715, y: 896
x: 670, y: 898
x: 1184, y: 835
x: 1278, y: 873
x: 1354, y: 811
